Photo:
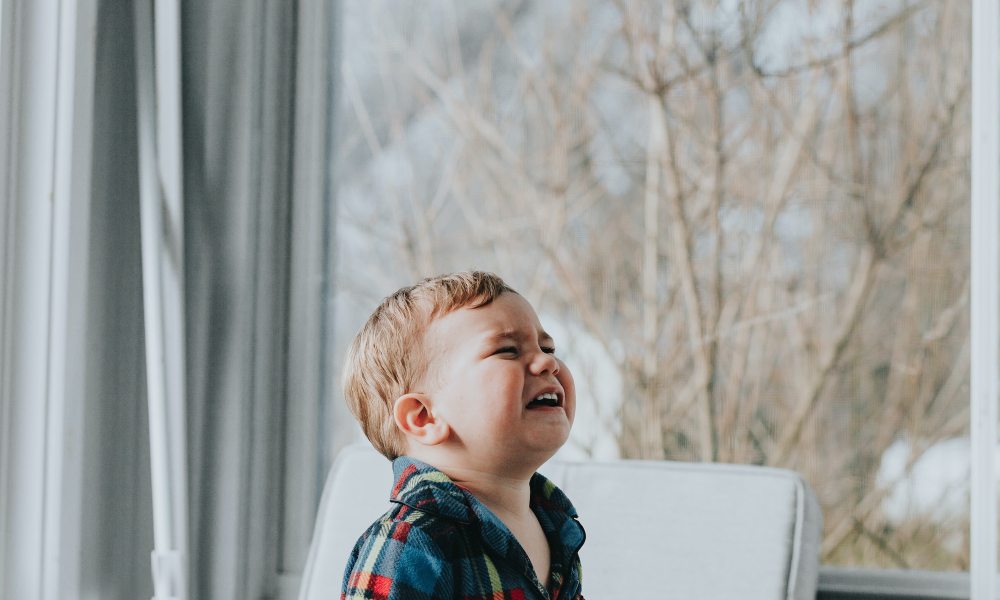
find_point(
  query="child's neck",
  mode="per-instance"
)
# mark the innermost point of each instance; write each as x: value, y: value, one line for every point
x: 508, y: 496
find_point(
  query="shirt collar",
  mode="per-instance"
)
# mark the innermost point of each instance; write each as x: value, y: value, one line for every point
x: 423, y: 487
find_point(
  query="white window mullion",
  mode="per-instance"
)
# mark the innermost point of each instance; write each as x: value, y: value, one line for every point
x: 984, y: 296
x: 160, y: 177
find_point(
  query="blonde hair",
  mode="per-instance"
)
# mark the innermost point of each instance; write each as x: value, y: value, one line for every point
x: 385, y: 359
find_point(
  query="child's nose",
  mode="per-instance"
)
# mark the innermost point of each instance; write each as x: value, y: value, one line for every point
x: 544, y: 362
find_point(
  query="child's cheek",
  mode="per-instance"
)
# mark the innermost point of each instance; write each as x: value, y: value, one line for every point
x: 565, y: 378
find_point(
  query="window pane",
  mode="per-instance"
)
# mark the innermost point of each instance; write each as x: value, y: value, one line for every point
x: 746, y: 223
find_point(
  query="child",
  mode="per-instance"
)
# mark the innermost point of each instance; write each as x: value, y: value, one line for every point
x: 455, y: 381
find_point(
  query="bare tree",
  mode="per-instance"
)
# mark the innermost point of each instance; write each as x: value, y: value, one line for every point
x: 764, y: 224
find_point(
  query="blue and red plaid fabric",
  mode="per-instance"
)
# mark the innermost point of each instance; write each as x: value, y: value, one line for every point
x: 440, y: 542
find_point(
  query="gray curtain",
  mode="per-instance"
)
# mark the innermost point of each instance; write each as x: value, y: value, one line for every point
x: 117, y: 525
x: 245, y: 196
x: 258, y: 91
x: 237, y: 72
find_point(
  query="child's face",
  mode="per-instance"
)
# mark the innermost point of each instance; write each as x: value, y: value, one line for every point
x: 486, y: 367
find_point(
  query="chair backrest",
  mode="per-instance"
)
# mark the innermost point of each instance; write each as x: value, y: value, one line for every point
x: 654, y: 529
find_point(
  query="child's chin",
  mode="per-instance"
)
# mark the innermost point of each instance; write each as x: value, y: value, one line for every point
x: 550, y: 443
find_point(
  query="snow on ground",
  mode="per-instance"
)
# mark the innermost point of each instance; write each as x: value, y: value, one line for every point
x: 937, y: 486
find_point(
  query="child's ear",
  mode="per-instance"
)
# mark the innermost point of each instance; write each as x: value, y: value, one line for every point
x: 414, y: 415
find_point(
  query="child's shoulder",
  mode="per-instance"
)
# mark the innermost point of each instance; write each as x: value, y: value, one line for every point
x: 404, y: 550
x: 409, y: 526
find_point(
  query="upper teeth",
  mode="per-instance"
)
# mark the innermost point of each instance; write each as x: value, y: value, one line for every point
x: 547, y: 396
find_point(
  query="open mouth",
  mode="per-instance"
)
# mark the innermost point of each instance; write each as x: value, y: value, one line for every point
x: 546, y: 400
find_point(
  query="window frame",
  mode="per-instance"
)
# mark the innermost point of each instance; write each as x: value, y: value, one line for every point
x: 985, y: 161
x: 839, y: 583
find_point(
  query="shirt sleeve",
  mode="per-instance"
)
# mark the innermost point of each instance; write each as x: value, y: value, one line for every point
x: 396, y: 561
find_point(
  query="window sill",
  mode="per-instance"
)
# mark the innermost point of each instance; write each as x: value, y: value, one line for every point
x: 836, y: 583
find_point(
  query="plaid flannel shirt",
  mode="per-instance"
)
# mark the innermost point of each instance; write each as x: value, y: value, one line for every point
x: 440, y: 542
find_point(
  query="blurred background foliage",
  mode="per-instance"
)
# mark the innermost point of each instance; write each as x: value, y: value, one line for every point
x: 746, y: 222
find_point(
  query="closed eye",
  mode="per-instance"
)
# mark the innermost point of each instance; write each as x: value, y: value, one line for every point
x: 548, y: 350
x: 506, y: 350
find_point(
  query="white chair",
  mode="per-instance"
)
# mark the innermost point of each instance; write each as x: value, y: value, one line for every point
x: 654, y: 529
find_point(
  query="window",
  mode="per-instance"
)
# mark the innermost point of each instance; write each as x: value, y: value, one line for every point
x: 748, y: 223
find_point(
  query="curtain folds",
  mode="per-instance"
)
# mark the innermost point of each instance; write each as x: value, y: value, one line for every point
x: 250, y: 257
x: 238, y: 65
x: 257, y: 91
